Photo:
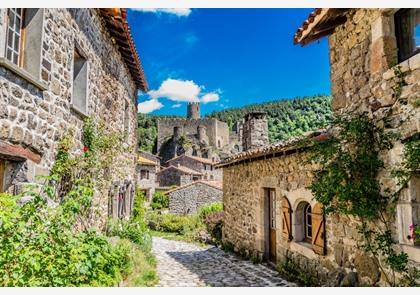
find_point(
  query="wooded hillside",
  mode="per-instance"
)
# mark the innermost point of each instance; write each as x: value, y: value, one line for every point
x: 286, y: 118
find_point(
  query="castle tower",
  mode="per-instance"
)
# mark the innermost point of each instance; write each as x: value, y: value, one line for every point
x: 255, y: 130
x: 193, y: 110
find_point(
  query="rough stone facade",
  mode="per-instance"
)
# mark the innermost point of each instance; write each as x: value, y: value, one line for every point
x: 190, y: 198
x: 147, y: 167
x: 255, y: 130
x: 363, y: 58
x: 36, y: 110
x: 177, y: 175
x: 203, y: 137
x: 205, y: 166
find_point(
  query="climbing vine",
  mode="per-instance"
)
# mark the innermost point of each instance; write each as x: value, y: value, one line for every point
x: 347, y: 183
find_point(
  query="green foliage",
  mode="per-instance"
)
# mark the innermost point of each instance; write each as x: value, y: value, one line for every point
x: 139, y: 210
x: 347, y: 183
x: 411, y: 161
x: 292, y: 271
x: 214, y: 224
x: 286, y: 118
x: 42, y: 245
x: 39, y: 248
x: 173, y: 223
x: 159, y: 201
x: 132, y: 230
x: 211, y: 208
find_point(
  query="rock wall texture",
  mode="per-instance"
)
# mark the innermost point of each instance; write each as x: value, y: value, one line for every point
x: 36, y: 119
x: 363, y: 57
x: 207, y: 169
x: 188, y: 199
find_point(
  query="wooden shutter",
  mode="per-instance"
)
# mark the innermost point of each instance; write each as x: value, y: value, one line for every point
x: 2, y: 169
x: 286, y: 213
x: 318, y: 230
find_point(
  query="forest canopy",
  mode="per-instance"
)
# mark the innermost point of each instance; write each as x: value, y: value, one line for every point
x: 286, y: 118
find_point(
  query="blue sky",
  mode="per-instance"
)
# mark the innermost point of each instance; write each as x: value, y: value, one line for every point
x: 225, y: 57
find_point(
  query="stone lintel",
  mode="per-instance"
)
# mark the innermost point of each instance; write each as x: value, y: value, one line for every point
x: 18, y: 152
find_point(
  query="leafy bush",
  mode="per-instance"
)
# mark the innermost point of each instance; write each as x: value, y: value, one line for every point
x: 212, y: 208
x: 133, y: 230
x: 159, y: 201
x: 173, y: 223
x: 38, y: 247
x: 138, y: 208
x: 214, y: 224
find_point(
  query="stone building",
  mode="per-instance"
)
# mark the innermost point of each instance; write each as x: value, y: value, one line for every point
x: 147, y: 167
x: 177, y: 175
x: 196, y: 136
x: 269, y: 211
x: 255, y: 130
x: 58, y: 66
x: 203, y: 165
x: 189, y: 198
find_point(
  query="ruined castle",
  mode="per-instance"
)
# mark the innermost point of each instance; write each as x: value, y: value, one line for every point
x: 196, y: 136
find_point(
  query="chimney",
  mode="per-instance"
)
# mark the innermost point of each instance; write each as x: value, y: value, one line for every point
x: 255, y: 130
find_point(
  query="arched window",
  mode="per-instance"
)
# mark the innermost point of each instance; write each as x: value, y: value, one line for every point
x: 307, y: 215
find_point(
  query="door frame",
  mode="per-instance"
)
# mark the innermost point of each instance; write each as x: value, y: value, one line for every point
x: 270, y: 241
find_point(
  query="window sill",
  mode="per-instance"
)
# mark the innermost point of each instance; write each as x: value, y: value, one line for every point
x: 78, y: 111
x: 22, y: 73
x: 409, y: 64
x: 303, y: 248
x: 413, y: 252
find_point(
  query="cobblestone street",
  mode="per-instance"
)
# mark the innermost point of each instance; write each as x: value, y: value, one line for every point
x: 182, y: 264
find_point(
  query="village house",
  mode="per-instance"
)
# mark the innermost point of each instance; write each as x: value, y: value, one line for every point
x: 203, y: 165
x: 270, y: 211
x: 177, y: 175
x: 189, y: 198
x: 147, y: 167
x: 58, y: 67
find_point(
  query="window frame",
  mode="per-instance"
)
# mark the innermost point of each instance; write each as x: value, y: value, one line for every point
x: 399, y: 36
x: 2, y: 174
x: 307, y: 216
x: 77, y: 49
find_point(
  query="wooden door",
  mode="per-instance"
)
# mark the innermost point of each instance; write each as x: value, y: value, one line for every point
x: 272, y: 224
x: 2, y: 169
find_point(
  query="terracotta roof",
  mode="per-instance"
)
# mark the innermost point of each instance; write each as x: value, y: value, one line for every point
x: 277, y: 149
x: 184, y: 169
x: 215, y: 184
x: 199, y: 159
x: 143, y: 161
x: 320, y: 22
x: 117, y: 25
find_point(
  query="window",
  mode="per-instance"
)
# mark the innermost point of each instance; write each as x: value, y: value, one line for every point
x: 127, y: 117
x: 407, y: 30
x: 80, y: 75
x: 144, y: 174
x: 2, y: 173
x: 24, y: 38
x: 195, y: 178
x: 307, y: 223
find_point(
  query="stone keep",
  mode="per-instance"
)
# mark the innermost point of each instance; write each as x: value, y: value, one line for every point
x: 193, y: 110
x: 255, y: 130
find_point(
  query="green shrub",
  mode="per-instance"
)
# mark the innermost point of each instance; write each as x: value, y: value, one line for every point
x: 173, y: 223
x: 214, y: 224
x: 212, y: 208
x: 38, y: 247
x: 138, y: 208
x: 133, y: 230
x: 159, y: 201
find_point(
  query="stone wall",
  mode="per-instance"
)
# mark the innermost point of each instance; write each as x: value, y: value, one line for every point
x: 215, y: 130
x: 36, y: 118
x: 172, y: 176
x: 147, y: 184
x: 188, y: 199
x: 364, y: 74
x: 208, y: 170
x: 255, y: 130
x: 289, y: 176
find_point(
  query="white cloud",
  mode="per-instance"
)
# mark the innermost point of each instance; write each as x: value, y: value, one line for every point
x: 175, y: 106
x: 180, y: 12
x: 177, y: 90
x: 210, y: 97
x: 149, y: 106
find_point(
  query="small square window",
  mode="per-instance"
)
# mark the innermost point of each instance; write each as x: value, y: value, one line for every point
x: 407, y: 30
x: 80, y: 87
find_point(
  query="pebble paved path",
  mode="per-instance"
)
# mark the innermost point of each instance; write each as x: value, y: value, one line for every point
x: 182, y: 264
